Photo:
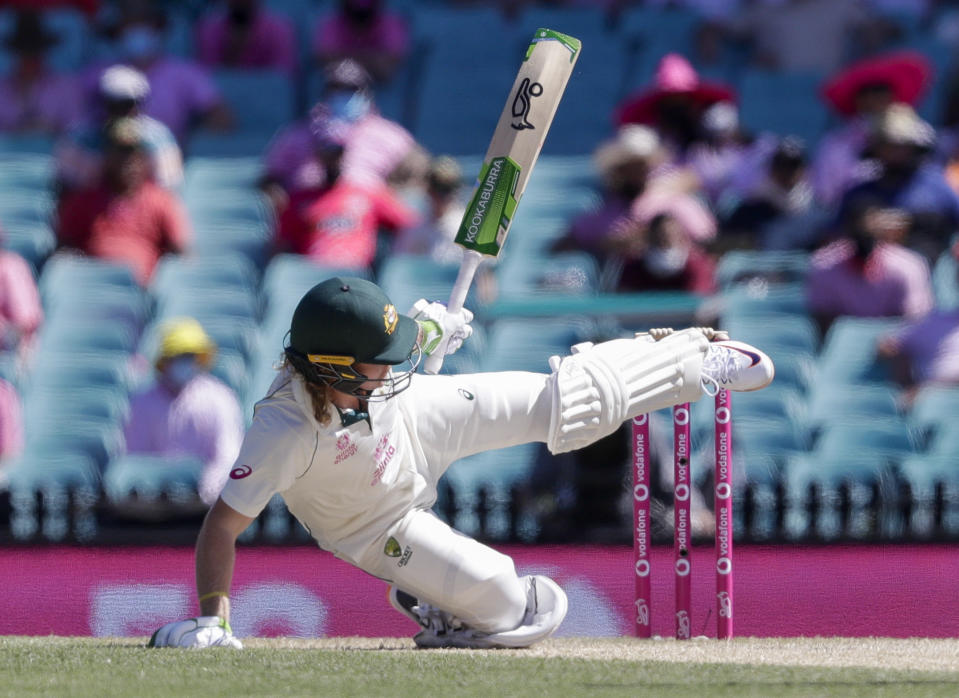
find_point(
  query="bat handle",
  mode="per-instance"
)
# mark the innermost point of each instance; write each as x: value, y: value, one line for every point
x: 471, y: 262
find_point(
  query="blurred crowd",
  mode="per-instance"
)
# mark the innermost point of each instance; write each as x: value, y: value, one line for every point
x: 682, y: 180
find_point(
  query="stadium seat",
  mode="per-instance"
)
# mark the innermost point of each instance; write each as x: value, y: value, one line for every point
x: 569, y: 273
x: 762, y: 297
x: 494, y: 472
x: 783, y: 102
x: 525, y: 344
x: 80, y: 335
x: 945, y: 281
x: 67, y: 275
x: 831, y: 403
x: 110, y: 304
x: 407, y: 278
x: 209, y: 144
x: 844, y: 498
x: 221, y: 303
x: 261, y: 100
x: 176, y: 273
x: 97, y: 440
x: 774, y: 329
x: 935, y: 409
x: 149, y: 477
x: 883, y: 438
x: 849, y: 351
x: 102, y: 403
x: 292, y: 275
x: 930, y: 486
x: 741, y: 266
x: 221, y: 173
x: 945, y: 443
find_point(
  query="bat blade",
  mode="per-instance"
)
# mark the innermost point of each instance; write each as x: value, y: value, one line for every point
x: 517, y: 140
x: 511, y: 155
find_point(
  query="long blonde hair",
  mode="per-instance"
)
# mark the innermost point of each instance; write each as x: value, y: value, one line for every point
x: 319, y: 394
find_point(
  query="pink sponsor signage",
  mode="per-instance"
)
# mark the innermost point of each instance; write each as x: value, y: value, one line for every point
x: 898, y: 591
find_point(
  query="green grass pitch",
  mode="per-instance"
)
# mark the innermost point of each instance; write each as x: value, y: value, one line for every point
x: 595, y: 667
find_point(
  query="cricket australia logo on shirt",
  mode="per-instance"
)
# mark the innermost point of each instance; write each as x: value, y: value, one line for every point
x: 344, y: 448
x: 382, y: 456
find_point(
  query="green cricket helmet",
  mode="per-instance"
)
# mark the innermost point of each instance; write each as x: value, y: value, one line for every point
x: 347, y: 320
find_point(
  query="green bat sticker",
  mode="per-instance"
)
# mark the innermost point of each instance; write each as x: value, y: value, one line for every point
x: 491, y: 208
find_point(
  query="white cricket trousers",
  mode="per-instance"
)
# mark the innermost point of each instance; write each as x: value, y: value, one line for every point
x: 454, y: 417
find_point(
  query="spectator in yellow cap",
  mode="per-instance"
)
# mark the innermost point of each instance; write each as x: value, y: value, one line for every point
x: 187, y: 411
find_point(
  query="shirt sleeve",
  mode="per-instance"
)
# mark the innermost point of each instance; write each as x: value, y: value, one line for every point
x: 270, y: 457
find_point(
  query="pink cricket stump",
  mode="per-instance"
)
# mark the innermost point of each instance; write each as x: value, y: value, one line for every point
x: 724, y: 516
x: 681, y: 519
x: 642, y: 539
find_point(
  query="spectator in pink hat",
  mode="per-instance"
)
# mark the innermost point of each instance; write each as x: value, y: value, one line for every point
x: 33, y: 97
x: 366, y: 32
x: 674, y: 104
x: 243, y: 34
x: 182, y: 92
x: 376, y: 150
x: 859, y: 94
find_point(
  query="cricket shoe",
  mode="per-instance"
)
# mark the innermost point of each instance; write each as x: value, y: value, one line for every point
x: 546, y: 606
x: 731, y: 365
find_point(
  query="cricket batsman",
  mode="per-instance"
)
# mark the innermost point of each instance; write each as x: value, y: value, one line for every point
x: 355, y: 442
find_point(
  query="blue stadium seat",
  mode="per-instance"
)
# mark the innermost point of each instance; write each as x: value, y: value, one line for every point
x: 176, y: 273
x: 851, y: 497
x: 739, y: 266
x: 292, y: 275
x: 150, y: 477
x: 97, y: 440
x: 882, y: 438
x: 224, y: 302
x: 831, y: 403
x: 849, y: 350
x: 407, y: 278
x: 945, y: 281
x: 749, y: 299
x: 45, y: 470
x: 109, y: 304
x: 68, y: 275
x: 495, y: 471
x: 782, y: 102
x: 207, y: 144
x: 221, y: 173
x: 80, y: 335
x: 930, y: 485
x: 525, y: 344
x: 774, y: 329
x: 96, y: 402
x: 574, y: 273
x: 261, y: 100
x: 935, y: 409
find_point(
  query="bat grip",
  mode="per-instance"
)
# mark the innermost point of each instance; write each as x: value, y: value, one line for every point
x: 471, y: 262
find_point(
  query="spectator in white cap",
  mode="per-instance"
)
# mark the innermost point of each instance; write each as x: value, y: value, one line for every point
x: 121, y: 93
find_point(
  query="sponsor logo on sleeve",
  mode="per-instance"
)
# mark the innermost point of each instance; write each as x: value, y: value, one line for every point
x: 240, y: 472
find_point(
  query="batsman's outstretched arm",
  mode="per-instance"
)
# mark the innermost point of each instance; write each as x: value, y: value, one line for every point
x: 215, y: 557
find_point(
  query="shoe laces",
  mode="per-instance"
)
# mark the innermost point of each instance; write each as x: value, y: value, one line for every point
x: 719, y: 366
x: 435, y: 620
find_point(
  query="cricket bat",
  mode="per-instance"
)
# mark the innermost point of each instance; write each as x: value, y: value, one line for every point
x: 512, y: 153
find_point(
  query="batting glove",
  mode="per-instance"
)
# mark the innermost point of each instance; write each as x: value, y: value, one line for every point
x: 195, y: 633
x: 441, y: 332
